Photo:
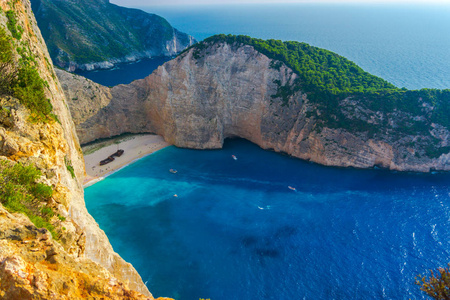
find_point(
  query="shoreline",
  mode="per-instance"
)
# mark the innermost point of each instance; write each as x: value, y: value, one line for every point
x: 136, y: 147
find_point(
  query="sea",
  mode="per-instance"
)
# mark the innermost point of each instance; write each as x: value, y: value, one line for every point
x: 221, y: 228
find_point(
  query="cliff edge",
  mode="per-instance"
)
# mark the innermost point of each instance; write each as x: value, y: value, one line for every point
x: 50, y: 247
x: 229, y: 87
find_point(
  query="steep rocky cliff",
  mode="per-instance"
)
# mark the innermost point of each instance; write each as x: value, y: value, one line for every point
x: 222, y: 90
x: 41, y: 169
x: 94, y: 34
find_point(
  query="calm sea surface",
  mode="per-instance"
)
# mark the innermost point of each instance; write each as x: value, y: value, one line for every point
x: 236, y: 231
x: 125, y: 73
x: 408, y: 45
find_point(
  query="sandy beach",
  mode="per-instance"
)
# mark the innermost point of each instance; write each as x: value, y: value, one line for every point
x: 135, y: 147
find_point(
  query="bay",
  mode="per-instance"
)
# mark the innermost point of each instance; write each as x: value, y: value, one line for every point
x: 236, y: 231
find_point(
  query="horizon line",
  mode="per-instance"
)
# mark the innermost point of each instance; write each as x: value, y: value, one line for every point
x: 141, y: 3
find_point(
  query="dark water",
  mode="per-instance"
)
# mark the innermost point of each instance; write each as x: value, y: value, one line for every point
x: 236, y: 231
x: 125, y: 73
x: 408, y: 45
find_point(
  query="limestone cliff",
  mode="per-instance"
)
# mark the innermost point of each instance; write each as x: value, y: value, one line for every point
x: 95, y: 34
x: 224, y: 90
x: 33, y: 264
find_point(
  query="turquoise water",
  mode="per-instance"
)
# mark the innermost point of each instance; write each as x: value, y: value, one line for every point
x: 236, y: 231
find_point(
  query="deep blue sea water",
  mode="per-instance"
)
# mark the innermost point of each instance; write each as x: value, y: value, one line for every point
x: 236, y: 231
x: 125, y: 73
x: 408, y: 45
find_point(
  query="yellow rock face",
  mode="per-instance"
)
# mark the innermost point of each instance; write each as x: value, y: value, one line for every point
x: 82, y: 263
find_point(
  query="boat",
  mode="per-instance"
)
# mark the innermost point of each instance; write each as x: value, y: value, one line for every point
x: 175, y: 195
x: 110, y: 158
x: 118, y: 153
x: 292, y: 188
x: 173, y: 171
x: 107, y: 161
x: 234, y: 157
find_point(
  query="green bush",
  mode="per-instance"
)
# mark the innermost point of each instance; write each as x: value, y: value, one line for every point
x: 29, y: 89
x: 22, y: 80
x: 8, y: 71
x: 16, y: 30
x: 69, y: 167
x: 19, y: 192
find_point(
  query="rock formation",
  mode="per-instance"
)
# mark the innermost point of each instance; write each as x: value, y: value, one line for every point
x: 95, y: 34
x: 223, y: 90
x: 78, y: 261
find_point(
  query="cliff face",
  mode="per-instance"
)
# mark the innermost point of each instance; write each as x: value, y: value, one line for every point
x: 92, y: 34
x: 78, y: 259
x: 201, y: 98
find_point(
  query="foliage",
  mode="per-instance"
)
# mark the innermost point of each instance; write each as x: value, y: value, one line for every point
x: 22, y: 80
x: 29, y: 88
x: 16, y: 30
x: 437, y: 285
x: 318, y: 68
x: 20, y: 192
x: 8, y: 72
x: 95, y: 31
x: 69, y: 166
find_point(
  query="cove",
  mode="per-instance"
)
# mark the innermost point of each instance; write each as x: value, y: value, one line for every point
x: 125, y: 73
x: 236, y: 231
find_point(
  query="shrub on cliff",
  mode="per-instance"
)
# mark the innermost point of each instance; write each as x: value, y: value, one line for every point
x: 8, y: 72
x: 21, y: 192
x: 437, y: 285
x: 21, y: 80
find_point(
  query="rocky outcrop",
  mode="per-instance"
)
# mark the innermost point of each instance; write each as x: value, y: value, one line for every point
x: 31, y: 262
x: 229, y: 90
x: 34, y: 266
x: 93, y: 34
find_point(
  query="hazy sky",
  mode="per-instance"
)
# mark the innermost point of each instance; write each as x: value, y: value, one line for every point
x: 190, y: 2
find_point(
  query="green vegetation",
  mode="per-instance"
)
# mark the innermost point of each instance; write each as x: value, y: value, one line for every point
x: 94, y: 31
x: 8, y: 71
x: 22, y: 80
x: 437, y: 286
x: 69, y: 166
x: 16, y: 30
x: 20, y: 192
x: 318, y: 69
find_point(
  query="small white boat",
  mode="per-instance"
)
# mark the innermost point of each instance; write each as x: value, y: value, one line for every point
x: 173, y: 171
x: 175, y: 195
x: 292, y: 188
x: 234, y: 157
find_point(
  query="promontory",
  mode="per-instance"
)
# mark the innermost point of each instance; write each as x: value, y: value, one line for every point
x: 284, y: 96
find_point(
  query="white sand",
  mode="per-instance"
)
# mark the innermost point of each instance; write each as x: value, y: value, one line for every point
x: 135, y: 147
